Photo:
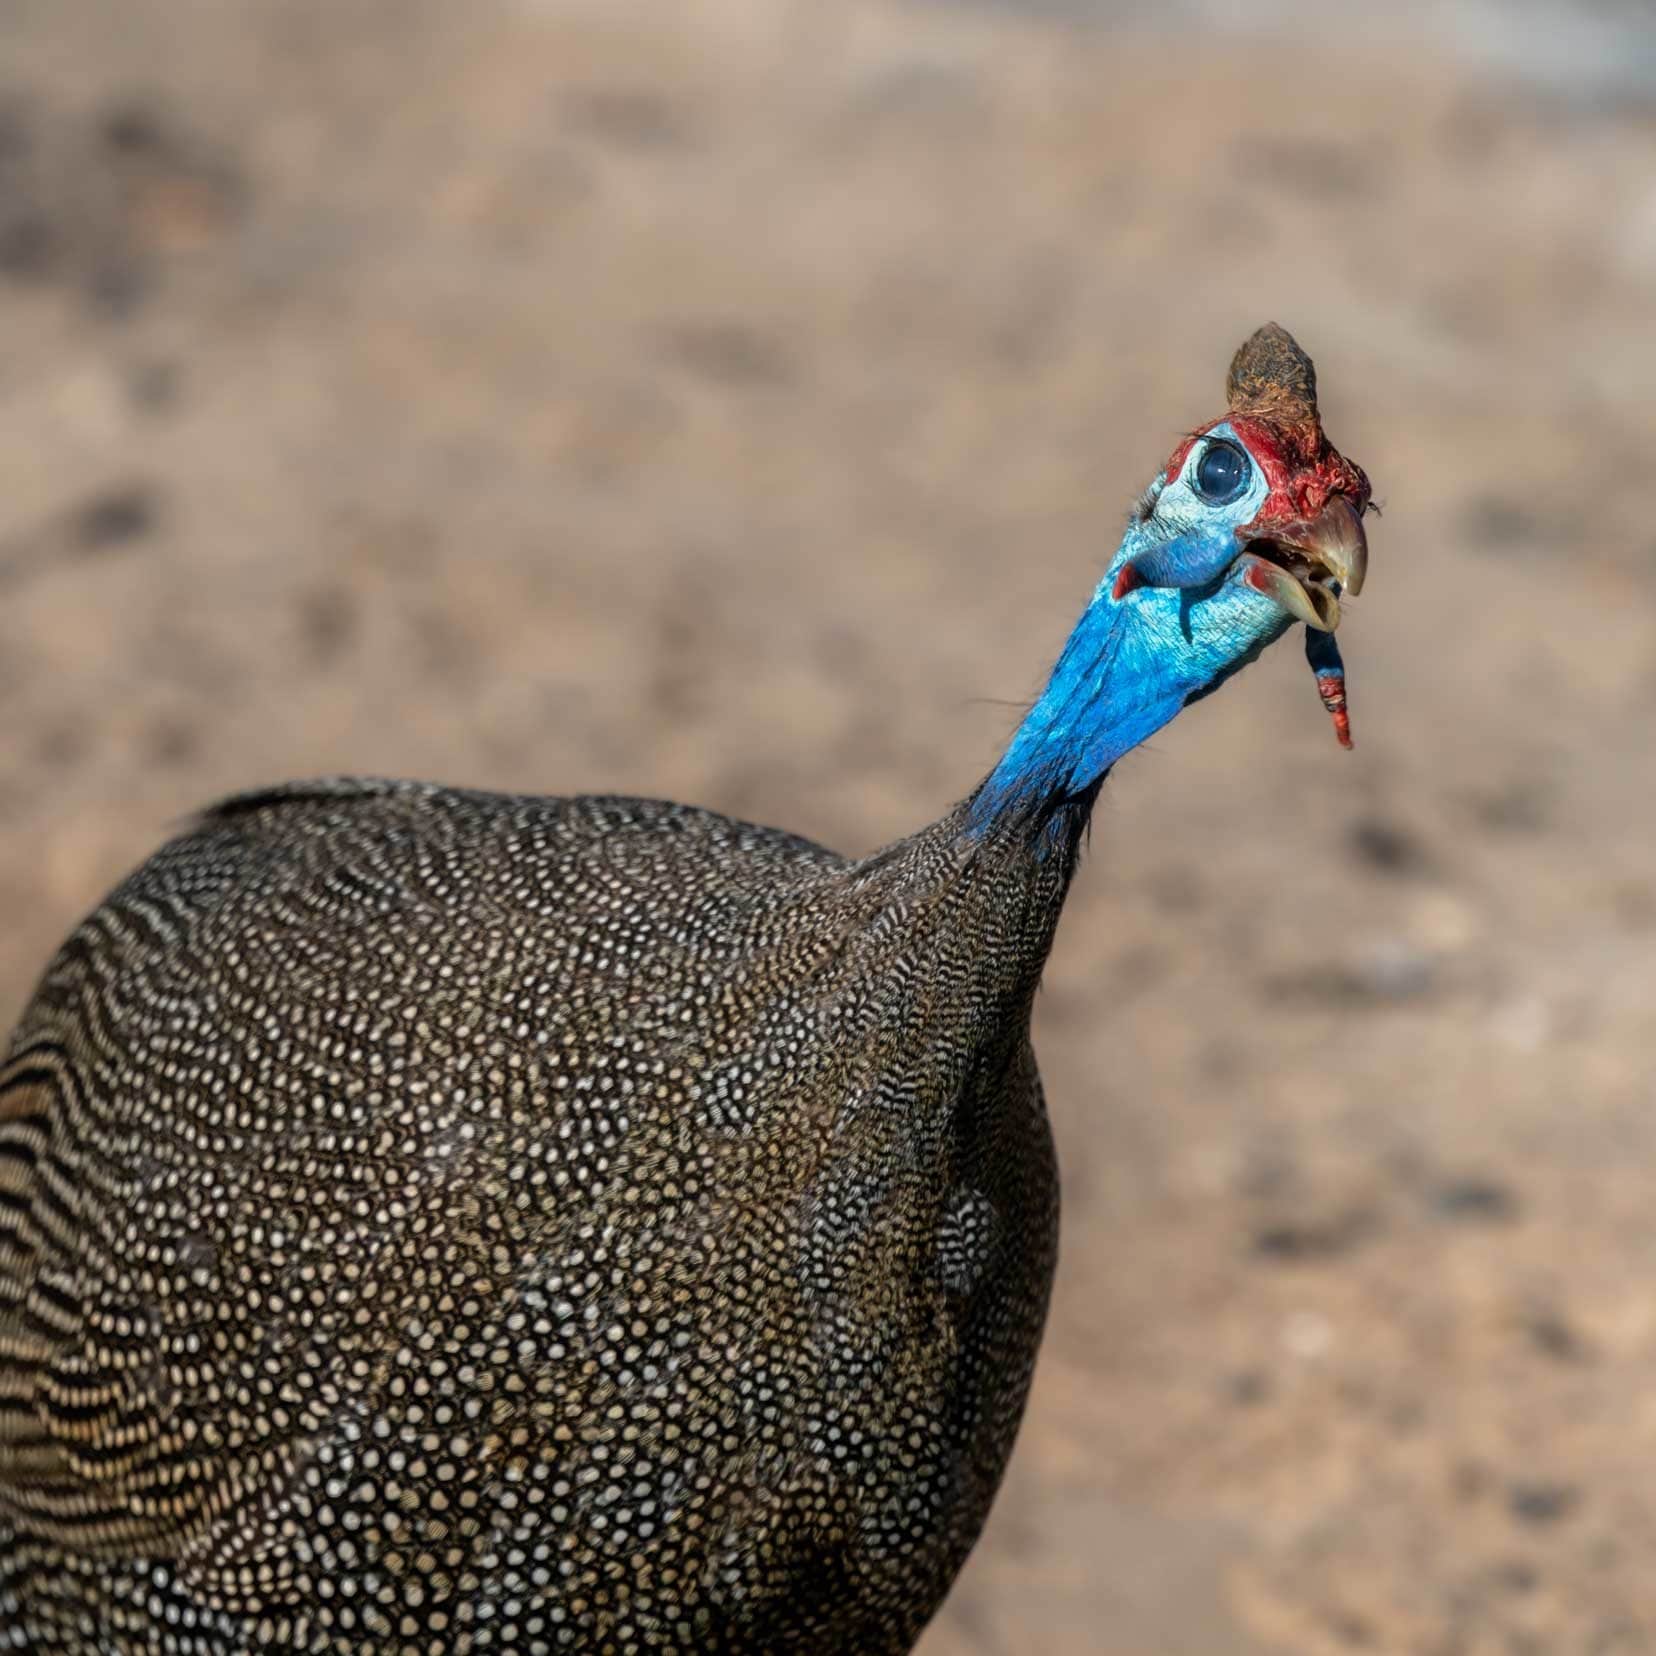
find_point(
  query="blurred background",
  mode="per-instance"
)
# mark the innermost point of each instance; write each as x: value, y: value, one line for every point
x: 736, y: 400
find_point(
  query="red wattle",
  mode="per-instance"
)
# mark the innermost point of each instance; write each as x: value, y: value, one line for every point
x: 1331, y: 687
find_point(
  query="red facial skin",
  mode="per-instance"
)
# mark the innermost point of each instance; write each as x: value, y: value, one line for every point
x: 1302, y: 470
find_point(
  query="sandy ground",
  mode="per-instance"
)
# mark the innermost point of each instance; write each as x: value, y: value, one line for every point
x: 736, y: 401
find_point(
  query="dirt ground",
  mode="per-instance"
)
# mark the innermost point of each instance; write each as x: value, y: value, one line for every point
x: 736, y: 400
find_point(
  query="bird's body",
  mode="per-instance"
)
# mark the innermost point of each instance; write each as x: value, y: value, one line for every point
x: 504, y: 1277
x: 441, y: 1222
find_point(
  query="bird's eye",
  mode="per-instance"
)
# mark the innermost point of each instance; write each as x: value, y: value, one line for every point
x: 1221, y: 474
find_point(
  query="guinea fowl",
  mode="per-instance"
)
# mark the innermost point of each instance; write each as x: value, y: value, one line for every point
x: 442, y: 1221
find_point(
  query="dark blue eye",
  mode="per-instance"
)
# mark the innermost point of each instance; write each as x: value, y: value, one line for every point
x: 1221, y: 474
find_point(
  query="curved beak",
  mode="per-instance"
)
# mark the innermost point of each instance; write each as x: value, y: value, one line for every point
x: 1307, y: 601
x: 1306, y: 566
x: 1334, y: 538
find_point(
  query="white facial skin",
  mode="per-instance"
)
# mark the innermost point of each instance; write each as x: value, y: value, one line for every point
x: 1179, y: 538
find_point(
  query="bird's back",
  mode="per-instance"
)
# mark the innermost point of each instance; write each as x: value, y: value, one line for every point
x: 434, y: 1220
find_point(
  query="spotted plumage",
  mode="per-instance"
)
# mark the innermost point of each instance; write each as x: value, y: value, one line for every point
x: 435, y: 1221
x: 467, y: 1256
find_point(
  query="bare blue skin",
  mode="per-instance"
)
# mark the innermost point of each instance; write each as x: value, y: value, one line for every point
x: 1132, y: 663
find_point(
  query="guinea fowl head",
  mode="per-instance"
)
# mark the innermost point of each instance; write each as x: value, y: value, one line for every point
x: 1254, y: 523
x: 1256, y: 512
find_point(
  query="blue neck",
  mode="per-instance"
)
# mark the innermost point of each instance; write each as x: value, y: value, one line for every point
x: 1110, y: 691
